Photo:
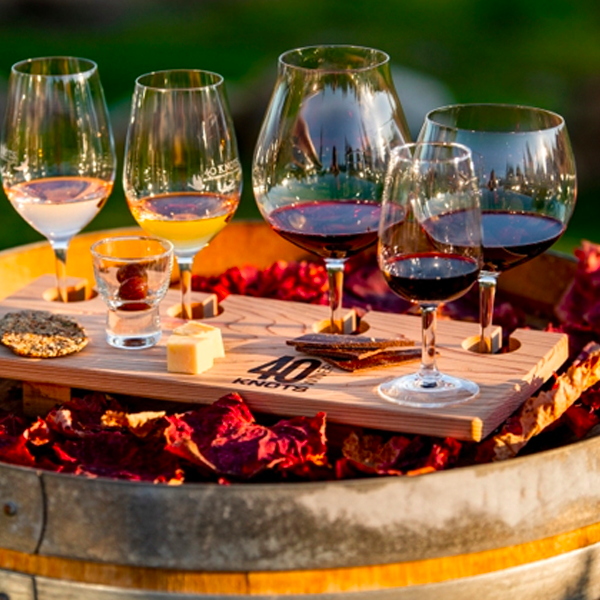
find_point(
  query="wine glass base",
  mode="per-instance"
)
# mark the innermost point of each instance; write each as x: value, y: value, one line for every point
x: 133, y: 342
x: 411, y: 391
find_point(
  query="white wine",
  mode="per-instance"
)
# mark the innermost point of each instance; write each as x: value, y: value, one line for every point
x: 190, y: 220
x: 59, y: 207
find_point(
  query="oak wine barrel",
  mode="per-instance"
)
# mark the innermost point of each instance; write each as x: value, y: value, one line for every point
x: 525, y: 528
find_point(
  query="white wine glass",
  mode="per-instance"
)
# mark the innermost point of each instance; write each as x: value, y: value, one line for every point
x: 527, y: 181
x: 429, y: 252
x: 182, y: 175
x: 322, y: 152
x: 57, y: 156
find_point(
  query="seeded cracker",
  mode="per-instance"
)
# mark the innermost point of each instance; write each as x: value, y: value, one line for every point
x: 41, y: 334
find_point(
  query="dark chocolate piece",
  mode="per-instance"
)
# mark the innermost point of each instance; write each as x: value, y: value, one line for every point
x: 387, y: 358
x: 346, y: 342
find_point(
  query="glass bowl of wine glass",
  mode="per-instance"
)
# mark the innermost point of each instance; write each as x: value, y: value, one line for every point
x: 322, y: 152
x: 527, y: 181
x: 182, y: 175
x: 57, y: 157
x: 429, y: 252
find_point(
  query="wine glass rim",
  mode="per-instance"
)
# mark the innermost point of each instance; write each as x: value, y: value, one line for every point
x: 384, y: 58
x: 465, y: 151
x: 169, y: 248
x: 218, y: 80
x: 430, y: 116
x: 89, y: 67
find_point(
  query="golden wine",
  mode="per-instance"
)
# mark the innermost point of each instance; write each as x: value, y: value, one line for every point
x: 190, y: 220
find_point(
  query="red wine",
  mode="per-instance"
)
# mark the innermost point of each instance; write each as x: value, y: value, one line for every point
x: 431, y: 277
x: 510, y: 239
x: 331, y: 229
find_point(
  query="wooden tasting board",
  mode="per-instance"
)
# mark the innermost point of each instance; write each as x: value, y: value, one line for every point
x: 272, y: 377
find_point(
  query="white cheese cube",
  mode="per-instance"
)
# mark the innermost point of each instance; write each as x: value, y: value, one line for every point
x: 189, y: 354
x: 201, y: 330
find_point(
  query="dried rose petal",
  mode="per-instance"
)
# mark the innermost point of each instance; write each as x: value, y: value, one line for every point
x: 118, y: 455
x: 15, y: 450
x: 370, y: 454
x: 579, y: 305
x: 39, y: 434
x: 142, y: 425
x: 580, y: 420
x: 224, y: 438
x: 80, y: 416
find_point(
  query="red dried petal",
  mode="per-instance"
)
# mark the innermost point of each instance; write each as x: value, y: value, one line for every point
x: 39, y: 434
x: 578, y: 306
x: 580, y: 420
x: 225, y: 439
x: 118, y: 455
x: 15, y: 450
x: 443, y: 454
x: 370, y: 454
x: 80, y: 416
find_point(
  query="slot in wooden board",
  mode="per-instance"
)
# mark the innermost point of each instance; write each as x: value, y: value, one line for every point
x: 272, y: 377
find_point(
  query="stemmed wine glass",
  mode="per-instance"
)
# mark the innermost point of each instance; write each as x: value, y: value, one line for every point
x: 429, y: 252
x: 321, y: 155
x: 527, y: 180
x: 57, y: 156
x: 182, y: 176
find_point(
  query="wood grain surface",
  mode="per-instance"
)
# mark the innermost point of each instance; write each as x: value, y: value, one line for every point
x: 274, y: 378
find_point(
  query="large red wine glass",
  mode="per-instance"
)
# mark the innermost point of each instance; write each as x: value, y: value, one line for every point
x: 57, y: 156
x: 527, y: 179
x: 322, y: 152
x: 429, y: 252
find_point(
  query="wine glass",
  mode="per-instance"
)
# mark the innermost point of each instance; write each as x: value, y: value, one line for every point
x: 429, y: 252
x: 527, y: 180
x: 57, y: 156
x: 321, y: 155
x: 182, y: 175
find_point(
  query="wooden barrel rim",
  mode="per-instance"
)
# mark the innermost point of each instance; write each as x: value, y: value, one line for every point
x: 574, y: 516
x: 367, y: 578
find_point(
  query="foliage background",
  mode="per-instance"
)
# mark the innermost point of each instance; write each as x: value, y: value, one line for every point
x: 537, y: 52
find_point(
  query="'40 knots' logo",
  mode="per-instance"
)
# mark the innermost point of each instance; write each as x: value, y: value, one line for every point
x: 225, y: 177
x: 286, y: 373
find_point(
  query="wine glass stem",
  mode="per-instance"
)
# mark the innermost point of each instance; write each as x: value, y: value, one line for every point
x: 428, y: 373
x: 185, y: 273
x: 487, y: 294
x: 335, y: 275
x: 60, y: 255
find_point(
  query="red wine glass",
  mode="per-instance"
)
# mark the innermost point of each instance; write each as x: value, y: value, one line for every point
x: 527, y: 181
x: 429, y: 252
x: 322, y: 152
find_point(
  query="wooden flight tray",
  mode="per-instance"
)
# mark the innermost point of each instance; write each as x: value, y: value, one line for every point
x: 273, y: 378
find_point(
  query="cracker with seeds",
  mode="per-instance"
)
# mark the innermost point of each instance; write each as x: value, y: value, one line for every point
x: 41, y: 334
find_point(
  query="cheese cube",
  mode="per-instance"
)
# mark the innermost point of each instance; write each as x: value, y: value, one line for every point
x: 189, y: 354
x: 196, y: 329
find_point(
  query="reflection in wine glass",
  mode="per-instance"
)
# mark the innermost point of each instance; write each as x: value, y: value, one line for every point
x: 527, y: 181
x: 182, y: 175
x: 57, y: 156
x: 429, y: 252
x: 322, y: 152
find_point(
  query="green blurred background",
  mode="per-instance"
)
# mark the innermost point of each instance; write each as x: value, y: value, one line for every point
x: 537, y: 52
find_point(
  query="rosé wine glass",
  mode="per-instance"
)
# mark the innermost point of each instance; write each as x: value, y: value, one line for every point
x: 57, y: 156
x: 322, y: 152
x: 429, y: 252
x: 182, y: 175
x: 527, y: 180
